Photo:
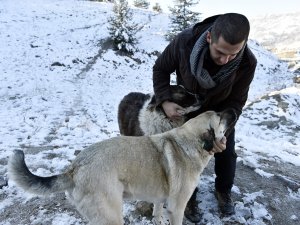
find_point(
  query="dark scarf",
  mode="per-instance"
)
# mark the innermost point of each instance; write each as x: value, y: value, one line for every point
x: 196, y: 62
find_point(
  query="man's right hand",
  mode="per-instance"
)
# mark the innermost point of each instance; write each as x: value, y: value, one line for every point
x: 173, y: 111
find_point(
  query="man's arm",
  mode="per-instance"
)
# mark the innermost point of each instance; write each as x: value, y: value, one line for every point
x: 165, y: 64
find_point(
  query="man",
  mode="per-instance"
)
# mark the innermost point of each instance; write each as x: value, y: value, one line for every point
x: 212, y: 61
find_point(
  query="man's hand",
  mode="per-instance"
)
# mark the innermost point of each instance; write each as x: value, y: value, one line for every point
x: 219, y: 146
x: 173, y: 111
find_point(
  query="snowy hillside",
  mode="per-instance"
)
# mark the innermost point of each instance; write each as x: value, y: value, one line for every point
x: 60, y: 86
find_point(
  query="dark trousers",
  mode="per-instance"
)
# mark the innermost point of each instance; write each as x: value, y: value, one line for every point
x: 225, y: 165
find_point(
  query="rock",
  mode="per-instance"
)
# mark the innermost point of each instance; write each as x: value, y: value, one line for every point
x: 297, y: 79
x: 58, y: 64
x: 3, y: 182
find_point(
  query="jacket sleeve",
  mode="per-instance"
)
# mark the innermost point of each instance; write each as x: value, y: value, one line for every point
x: 164, y: 66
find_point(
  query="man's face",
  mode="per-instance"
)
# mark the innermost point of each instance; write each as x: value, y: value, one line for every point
x: 222, y: 52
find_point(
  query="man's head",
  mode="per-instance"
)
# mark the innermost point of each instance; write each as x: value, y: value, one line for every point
x: 227, y: 37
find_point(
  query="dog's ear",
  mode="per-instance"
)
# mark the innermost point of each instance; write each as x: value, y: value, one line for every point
x: 228, y: 117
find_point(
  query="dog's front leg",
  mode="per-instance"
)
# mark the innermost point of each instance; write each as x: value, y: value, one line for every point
x: 158, y: 214
x: 176, y: 210
x: 176, y: 217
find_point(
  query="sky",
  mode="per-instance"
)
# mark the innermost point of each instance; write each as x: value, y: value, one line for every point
x: 51, y: 111
x: 251, y: 8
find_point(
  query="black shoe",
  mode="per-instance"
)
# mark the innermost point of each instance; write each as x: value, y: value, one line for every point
x: 225, y: 203
x: 192, y: 212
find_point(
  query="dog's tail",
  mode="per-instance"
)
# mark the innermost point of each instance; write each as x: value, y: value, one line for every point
x: 20, y: 174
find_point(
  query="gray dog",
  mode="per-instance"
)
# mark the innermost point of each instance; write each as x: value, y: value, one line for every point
x: 162, y: 169
x: 139, y: 114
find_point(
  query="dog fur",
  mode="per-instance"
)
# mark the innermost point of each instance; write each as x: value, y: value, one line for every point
x: 162, y: 168
x: 138, y: 113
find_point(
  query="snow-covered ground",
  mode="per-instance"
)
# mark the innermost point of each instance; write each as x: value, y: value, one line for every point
x: 60, y: 88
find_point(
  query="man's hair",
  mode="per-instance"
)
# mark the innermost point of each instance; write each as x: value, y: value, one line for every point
x: 233, y: 27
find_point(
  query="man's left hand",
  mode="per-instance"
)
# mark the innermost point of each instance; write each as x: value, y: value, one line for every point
x: 219, y: 146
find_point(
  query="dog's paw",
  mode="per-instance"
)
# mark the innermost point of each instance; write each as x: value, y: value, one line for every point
x: 159, y: 221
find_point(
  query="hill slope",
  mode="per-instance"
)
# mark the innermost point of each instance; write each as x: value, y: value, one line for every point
x: 278, y: 33
x: 60, y: 86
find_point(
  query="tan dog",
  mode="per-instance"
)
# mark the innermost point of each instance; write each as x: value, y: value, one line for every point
x: 162, y: 168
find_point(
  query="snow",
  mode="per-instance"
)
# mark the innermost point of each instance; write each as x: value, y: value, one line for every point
x: 51, y: 111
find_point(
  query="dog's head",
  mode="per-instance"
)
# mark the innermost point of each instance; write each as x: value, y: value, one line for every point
x: 182, y: 97
x: 211, y: 126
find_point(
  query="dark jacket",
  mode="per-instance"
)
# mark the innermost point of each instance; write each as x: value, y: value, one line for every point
x: 232, y: 93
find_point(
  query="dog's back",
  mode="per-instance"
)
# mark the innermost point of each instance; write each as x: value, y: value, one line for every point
x: 128, y: 113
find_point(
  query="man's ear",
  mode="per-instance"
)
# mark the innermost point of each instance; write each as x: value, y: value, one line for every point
x: 208, y: 37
